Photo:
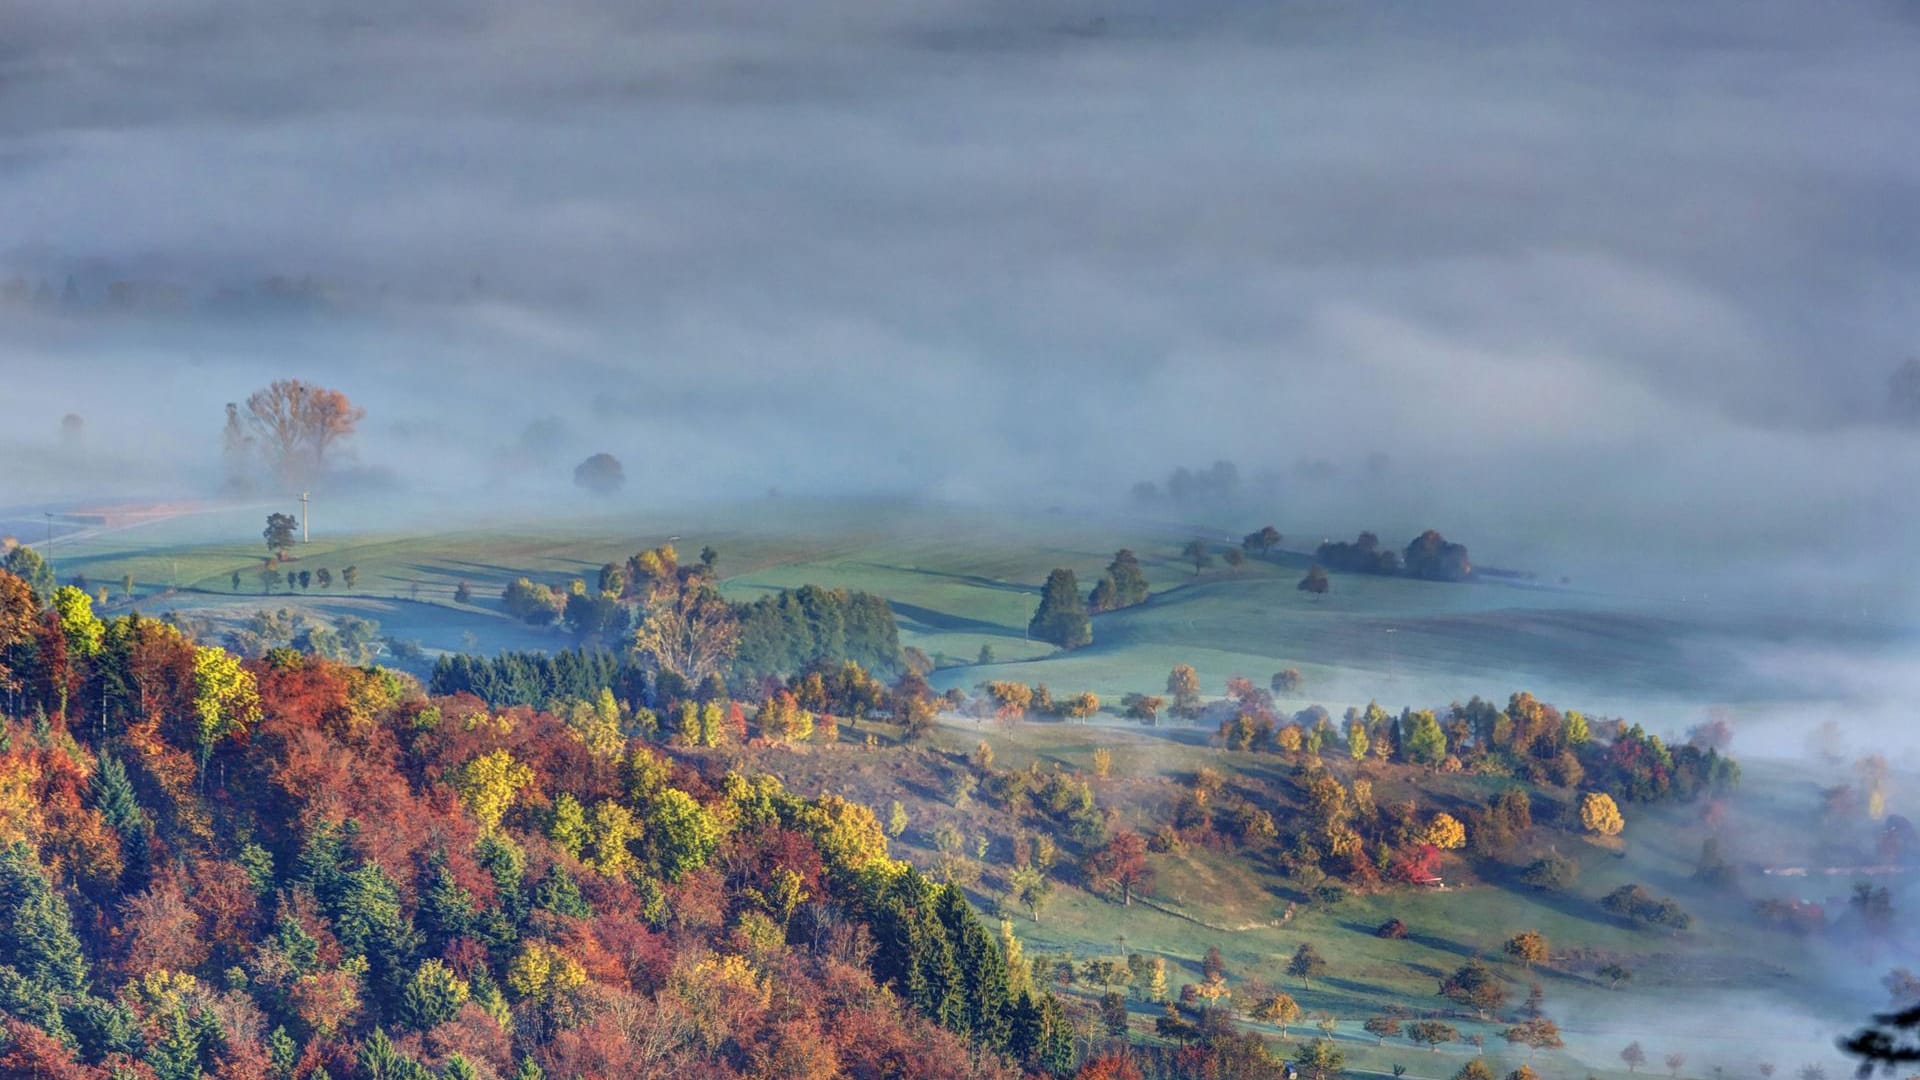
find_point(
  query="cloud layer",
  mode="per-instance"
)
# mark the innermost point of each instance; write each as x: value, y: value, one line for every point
x: 1606, y: 286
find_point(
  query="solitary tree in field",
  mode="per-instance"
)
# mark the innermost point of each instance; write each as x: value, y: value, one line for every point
x: 1634, y: 1056
x: 324, y: 576
x: 1615, y: 975
x: 1196, y: 552
x: 1278, y: 1010
x: 1306, y: 963
x: 462, y: 593
x: 1600, y: 815
x: 236, y: 581
x: 1286, y: 681
x: 306, y: 579
x: 1061, y: 618
x: 1315, y: 582
x: 279, y: 533
x: 350, y: 577
x: 126, y: 586
x: 1528, y: 947
x: 1676, y: 1062
x: 297, y: 424
x: 1183, y: 686
x: 600, y: 474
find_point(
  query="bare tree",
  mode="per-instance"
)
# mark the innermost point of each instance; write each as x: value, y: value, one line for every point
x: 296, y: 424
x: 691, y: 633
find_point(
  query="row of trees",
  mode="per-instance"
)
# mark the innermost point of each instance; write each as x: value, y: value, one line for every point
x: 1429, y: 556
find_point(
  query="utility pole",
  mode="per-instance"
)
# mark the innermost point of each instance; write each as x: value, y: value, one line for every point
x: 303, y: 517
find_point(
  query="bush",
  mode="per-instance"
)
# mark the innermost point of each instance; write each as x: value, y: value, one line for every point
x: 1392, y: 930
x: 1552, y: 873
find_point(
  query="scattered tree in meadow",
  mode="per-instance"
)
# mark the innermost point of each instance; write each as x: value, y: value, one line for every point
x: 1675, y: 1062
x: 1600, y: 815
x: 1528, y: 947
x: 1475, y: 1069
x: 1551, y: 872
x: 1235, y: 558
x: 1198, y: 553
x: 1061, y: 618
x: 462, y: 593
x: 279, y: 533
x: 1383, y: 1027
x: 350, y: 577
x: 1286, y: 681
x: 1030, y: 889
x: 1142, y: 707
x: 1306, y: 964
x: 1121, y: 864
x: 1183, y: 686
x: 1538, y: 1033
x: 1615, y: 974
x: 1320, y: 1059
x: 1277, y: 1009
x: 1316, y: 581
x: 1634, y: 1057
x: 1431, y: 1033
x: 1475, y: 986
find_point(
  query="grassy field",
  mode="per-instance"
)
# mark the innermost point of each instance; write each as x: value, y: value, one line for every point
x: 958, y: 582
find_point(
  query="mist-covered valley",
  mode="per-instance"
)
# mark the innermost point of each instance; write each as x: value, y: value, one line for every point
x: 651, y: 406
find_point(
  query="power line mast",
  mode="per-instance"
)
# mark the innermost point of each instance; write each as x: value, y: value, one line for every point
x: 303, y: 517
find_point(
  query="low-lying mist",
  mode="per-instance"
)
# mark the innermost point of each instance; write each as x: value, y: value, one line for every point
x: 1613, y: 297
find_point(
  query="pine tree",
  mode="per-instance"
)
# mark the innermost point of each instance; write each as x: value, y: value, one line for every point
x: 36, y: 928
x: 1061, y: 618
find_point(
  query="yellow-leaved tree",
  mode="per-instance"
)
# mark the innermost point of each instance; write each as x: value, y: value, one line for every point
x: 1599, y: 814
x: 489, y: 784
x: 225, y: 699
x: 1446, y: 833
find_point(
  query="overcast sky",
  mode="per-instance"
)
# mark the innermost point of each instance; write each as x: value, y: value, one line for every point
x: 1638, y: 272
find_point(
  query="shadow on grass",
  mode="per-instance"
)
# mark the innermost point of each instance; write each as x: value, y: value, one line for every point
x: 927, y: 619
x: 975, y: 580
